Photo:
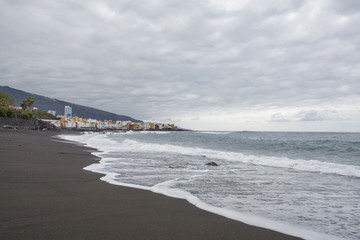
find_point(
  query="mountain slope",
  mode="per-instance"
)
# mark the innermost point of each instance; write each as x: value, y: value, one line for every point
x: 46, y: 103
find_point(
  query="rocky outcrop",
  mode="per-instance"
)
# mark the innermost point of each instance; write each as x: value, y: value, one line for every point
x: 214, y: 164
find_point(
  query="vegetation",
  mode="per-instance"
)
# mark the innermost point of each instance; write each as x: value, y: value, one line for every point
x: 28, y: 102
x: 6, y: 100
x: 7, y: 111
x: 27, y: 115
x: 41, y: 114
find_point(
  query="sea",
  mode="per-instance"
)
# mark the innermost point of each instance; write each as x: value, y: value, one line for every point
x: 298, y: 183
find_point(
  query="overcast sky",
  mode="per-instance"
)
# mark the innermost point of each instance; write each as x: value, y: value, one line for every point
x: 209, y: 65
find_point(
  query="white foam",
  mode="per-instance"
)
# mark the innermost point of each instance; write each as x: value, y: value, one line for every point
x: 165, y: 188
x: 153, y: 132
x: 144, y: 132
x: 105, y: 145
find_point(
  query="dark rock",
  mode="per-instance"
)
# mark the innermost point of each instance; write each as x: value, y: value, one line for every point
x: 212, y: 164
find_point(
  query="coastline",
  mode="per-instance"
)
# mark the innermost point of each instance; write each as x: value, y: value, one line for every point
x: 47, y: 195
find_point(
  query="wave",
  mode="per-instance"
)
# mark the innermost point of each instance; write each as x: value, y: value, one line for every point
x: 153, y: 132
x: 107, y: 145
x: 219, y: 133
x: 165, y: 188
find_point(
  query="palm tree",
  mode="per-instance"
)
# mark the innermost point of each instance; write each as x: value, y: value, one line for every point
x: 27, y: 103
x: 30, y: 101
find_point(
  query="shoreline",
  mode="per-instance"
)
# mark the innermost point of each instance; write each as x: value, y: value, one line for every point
x: 47, y: 195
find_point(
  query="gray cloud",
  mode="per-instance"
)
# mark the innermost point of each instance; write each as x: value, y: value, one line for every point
x: 167, y: 59
x: 279, y: 117
x: 310, y: 116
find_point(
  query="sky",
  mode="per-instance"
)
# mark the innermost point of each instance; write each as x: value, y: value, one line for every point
x: 276, y: 65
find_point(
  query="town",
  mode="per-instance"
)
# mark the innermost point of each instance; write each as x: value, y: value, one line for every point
x: 72, y: 122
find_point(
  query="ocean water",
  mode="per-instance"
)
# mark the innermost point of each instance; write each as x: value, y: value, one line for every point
x: 302, y: 184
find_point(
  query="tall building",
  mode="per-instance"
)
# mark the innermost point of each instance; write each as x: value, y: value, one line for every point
x: 68, y: 111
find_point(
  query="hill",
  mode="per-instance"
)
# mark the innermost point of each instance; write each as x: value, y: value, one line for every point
x: 45, y: 103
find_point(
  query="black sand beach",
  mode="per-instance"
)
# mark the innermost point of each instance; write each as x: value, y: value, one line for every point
x: 46, y: 194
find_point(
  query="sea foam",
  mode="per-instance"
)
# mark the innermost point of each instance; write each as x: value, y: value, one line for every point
x: 166, y: 188
x: 106, y: 146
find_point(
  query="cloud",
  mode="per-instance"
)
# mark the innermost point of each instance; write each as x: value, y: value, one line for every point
x: 279, y: 117
x: 195, y: 119
x: 103, y: 11
x: 312, y: 116
x: 347, y: 6
x: 309, y: 116
x: 171, y: 59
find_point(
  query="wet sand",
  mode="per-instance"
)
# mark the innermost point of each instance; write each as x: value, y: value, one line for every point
x: 46, y: 194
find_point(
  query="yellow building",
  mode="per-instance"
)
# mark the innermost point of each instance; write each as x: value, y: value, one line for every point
x: 136, y: 126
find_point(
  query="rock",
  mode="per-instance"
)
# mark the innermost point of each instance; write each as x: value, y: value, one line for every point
x: 214, y: 164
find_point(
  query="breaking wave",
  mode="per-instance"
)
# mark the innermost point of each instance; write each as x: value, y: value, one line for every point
x: 106, y: 145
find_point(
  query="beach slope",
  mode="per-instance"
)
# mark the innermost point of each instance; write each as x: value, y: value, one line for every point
x: 46, y: 194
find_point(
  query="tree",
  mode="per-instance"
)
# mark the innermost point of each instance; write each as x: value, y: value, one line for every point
x: 5, y: 112
x: 26, y: 115
x: 6, y: 100
x: 27, y: 103
x: 31, y: 101
x: 23, y: 105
